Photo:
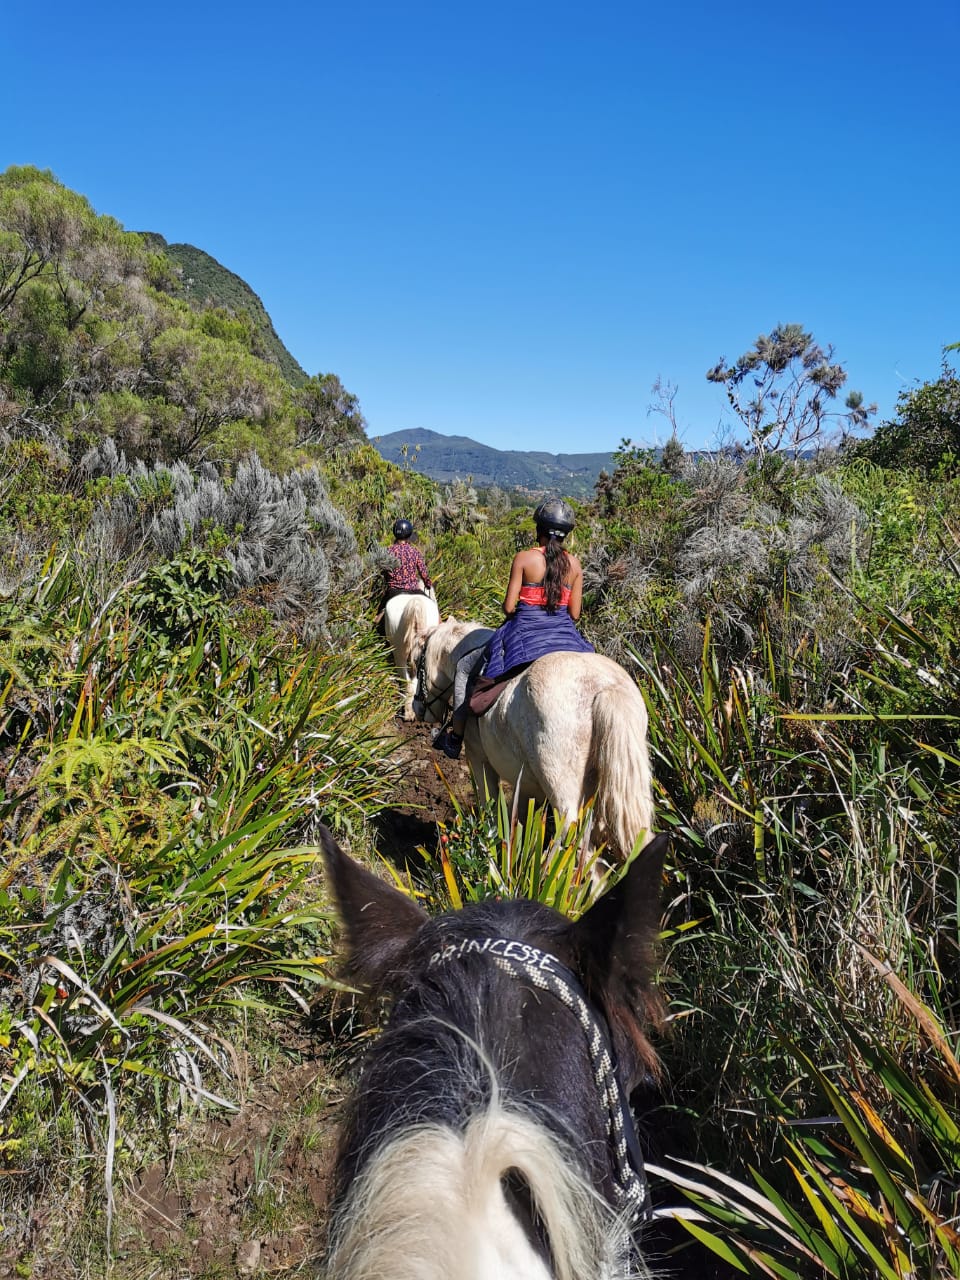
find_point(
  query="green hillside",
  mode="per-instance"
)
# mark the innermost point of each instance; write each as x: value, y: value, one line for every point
x: 448, y: 458
x: 106, y: 334
x: 205, y: 281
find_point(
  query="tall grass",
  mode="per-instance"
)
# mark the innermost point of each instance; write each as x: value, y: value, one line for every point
x: 814, y: 812
x: 157, y: 877
x: 493, y: 850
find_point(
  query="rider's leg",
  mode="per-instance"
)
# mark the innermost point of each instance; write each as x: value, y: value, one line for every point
x: 451, y: 740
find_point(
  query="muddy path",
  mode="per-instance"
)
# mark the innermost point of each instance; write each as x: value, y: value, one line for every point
x: 424, y: 794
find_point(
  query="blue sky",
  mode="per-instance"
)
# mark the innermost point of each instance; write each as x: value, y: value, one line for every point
x: 508, y: 220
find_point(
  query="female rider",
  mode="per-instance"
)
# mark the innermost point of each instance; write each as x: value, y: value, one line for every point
x: 542, y: 605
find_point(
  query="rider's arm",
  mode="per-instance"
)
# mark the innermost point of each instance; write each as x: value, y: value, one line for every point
x: 422, y: 569
x: 576, y: 592
x: 514, y: 585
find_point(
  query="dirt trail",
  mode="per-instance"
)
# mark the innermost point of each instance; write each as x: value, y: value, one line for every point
x: 423, y: 798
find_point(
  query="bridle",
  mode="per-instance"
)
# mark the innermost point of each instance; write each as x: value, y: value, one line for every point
x: 547, y: 973
x: 421, y: 693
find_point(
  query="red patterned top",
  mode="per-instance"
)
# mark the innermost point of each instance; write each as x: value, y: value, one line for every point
x: 409, y: 569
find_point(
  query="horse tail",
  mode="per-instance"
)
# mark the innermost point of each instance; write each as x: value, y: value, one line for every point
x: 418, y: 617
x: 431, y: 1206
x: 621, y: 767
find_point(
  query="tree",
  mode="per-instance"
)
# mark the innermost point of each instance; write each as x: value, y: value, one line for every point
x: 926, y: 430
x: 327, y: 413
x: 212, y: 382
x: 782, y: 390
x: 49, y: 232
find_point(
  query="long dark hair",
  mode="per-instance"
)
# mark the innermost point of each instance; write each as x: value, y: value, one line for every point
x: 558, y: 568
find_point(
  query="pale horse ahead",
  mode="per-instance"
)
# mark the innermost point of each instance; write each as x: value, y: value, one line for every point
x: 569, y: 727
x: 406, y: 620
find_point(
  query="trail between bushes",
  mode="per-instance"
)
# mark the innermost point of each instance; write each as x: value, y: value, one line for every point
x: 423, y: 797
x: 247, y: 1193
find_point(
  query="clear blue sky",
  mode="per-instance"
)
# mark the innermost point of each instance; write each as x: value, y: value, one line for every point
x: 507, y: 220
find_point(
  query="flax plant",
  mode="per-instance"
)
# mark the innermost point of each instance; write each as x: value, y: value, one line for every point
x: 814, y: 813
x: 490, y: 850
x: 157, y: 877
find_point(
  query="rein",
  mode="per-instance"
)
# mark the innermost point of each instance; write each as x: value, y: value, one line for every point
x: 421, y: 693
x: 547, y: 973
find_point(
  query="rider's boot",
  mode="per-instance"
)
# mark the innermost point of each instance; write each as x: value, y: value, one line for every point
x: 449, y: 743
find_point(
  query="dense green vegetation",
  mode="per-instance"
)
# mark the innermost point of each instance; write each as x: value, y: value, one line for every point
x: 203, y: 280
x: 190, y: 681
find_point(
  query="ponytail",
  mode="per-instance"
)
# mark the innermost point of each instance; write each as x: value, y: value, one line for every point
x: 558, y: 569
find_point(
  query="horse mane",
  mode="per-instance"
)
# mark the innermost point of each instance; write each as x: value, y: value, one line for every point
x: 428, y: 1177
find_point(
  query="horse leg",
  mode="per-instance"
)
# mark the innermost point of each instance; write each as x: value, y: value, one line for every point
x: 408, y: 683
x: 486, y: 780
x: 409, y: 690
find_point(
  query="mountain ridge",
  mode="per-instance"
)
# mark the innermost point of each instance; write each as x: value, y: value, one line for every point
x: 203, y: 279
x: 447, y: 458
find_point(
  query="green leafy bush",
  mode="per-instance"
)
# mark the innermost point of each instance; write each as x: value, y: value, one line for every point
x: 158, y: 878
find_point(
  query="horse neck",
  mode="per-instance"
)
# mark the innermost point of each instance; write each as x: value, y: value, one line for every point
x: 446, y: 646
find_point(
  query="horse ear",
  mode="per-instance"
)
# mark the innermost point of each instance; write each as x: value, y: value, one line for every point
x: 378, y: 920
x: 615, y: 942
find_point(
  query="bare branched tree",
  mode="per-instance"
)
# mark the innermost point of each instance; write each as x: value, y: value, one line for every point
x: 783, y: 389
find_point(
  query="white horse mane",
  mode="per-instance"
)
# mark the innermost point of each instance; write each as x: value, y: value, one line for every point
x: 430, y: 1206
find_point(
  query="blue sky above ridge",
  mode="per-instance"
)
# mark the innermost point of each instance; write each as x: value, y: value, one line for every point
x: 508, y: 221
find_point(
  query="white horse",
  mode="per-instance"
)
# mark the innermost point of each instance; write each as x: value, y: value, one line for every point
x: 569, y: 727
x: 406, y: 619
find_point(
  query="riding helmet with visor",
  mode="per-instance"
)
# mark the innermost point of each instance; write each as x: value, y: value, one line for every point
x: 555, y: 518
x: 402, y: 530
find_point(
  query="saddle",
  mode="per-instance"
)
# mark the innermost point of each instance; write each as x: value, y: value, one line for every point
x: 485, y: 692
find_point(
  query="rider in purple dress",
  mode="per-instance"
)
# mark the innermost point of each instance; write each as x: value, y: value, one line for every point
x: 542, y: 605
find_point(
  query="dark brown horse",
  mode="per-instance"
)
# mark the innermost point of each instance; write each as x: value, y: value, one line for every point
x: 489, y: 1137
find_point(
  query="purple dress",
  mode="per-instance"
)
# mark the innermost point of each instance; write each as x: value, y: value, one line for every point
x: 529, y: 634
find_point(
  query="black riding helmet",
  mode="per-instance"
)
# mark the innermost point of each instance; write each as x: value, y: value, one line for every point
x: 555, y: 518
x: 402, y: 530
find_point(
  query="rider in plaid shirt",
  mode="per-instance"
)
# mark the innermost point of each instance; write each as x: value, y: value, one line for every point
x: 409, y: 575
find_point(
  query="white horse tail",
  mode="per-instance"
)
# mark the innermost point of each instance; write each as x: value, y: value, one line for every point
x: 431, y: 1206
x: 420, y: 615
x: 621, y: 761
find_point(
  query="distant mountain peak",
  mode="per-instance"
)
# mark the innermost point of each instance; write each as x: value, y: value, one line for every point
x: 448, y: 458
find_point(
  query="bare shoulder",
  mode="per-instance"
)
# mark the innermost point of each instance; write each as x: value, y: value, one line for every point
x: 575, y: 563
